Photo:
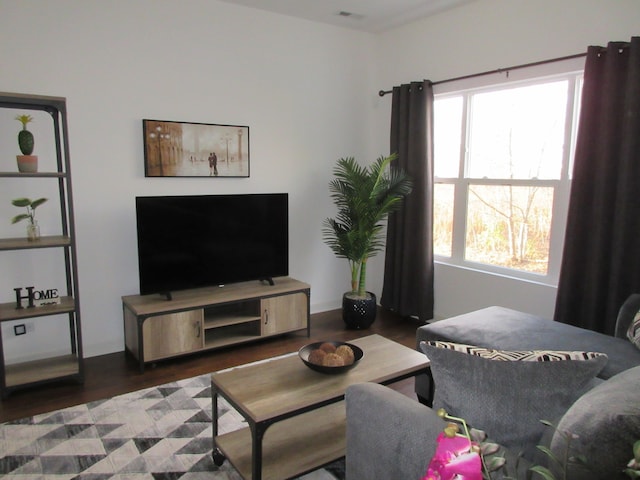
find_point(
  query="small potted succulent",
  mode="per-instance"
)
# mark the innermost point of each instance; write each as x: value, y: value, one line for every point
x: 33, y: 230
x: 27, y: 163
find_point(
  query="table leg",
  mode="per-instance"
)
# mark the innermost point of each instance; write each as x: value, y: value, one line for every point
x: 257, y: 434
x: 217, y: 455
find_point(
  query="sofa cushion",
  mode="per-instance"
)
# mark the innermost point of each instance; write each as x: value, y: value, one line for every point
x: 507, y: 399
x: 507, y: 329
x: 607, y: 422
x: 633, y: 333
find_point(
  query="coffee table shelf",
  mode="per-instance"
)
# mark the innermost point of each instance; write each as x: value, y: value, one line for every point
x: 296, y: 416
x: 323, y: 443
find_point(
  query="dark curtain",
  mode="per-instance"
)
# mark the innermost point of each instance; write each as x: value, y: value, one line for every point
x: 601, y: 259
x: 408, y: 274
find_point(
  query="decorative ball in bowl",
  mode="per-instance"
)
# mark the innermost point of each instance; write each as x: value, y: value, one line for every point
x: 330, y: 357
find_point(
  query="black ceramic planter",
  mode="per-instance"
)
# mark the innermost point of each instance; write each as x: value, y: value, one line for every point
x: 358, y: 313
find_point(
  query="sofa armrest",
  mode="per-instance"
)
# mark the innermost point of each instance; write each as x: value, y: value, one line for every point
x: 626, y: 314
x: 389, y: 435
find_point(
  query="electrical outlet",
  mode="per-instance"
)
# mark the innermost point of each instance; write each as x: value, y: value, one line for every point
x: 20, y: 329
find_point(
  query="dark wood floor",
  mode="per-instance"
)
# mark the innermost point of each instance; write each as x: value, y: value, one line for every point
x: 117, y: 373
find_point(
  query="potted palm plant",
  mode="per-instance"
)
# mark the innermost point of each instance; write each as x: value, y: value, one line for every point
x: 27, y: 163
x: 364, y: 196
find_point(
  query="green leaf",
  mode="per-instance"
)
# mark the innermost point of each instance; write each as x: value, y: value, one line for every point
x: 548, y: 453
x: 636, y: 451
x: 496, y: 463
x: 21, y: 202
x: 579, y: 459
x: 22, y: 216
x: 489, y: 448
x: 38, y: 202
x: 477, y: 435
x: 543, y: 472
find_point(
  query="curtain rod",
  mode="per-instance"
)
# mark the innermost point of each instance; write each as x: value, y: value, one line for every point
x: 382, y: 93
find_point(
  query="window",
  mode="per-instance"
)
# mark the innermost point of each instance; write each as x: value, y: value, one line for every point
x: 502, y: 163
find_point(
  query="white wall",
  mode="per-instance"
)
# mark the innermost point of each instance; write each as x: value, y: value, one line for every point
x: 308, y: 92
x: 481, y: 36
x: 302, y: 88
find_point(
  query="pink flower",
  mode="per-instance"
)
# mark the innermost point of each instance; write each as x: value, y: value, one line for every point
x: 453, y: 460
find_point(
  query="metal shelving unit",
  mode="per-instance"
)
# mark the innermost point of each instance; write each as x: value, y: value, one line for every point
x: 69, y: 366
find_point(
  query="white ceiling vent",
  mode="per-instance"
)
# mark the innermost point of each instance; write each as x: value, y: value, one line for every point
x: 354, y: 16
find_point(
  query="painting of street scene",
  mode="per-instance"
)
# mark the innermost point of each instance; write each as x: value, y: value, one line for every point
x: 181, y: 149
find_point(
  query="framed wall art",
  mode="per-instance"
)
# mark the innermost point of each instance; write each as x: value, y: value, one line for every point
x: 183, y: 149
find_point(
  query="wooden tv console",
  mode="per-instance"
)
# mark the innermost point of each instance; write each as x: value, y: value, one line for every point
x: 206, y: 318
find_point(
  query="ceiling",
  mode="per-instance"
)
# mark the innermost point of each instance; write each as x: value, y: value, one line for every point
x: 367, y: 15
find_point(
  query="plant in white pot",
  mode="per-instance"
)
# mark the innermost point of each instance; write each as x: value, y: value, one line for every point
x: 27, y: 163
x: 33, y: 230
x: 364, y: 196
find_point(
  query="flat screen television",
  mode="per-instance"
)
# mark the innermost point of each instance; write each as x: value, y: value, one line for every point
x: 196, y: 241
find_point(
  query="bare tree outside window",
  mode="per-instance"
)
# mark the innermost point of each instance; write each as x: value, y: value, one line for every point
x: 509, y: 226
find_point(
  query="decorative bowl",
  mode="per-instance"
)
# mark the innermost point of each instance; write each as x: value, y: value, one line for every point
x: 304, y: 352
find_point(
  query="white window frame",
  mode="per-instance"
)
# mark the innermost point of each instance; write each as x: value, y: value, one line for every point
x: 570, y: 70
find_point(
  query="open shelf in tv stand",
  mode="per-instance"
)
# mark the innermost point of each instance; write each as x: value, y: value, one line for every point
x: 213, y: 317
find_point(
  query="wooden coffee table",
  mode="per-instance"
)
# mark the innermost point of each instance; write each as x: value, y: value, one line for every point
x: 296, y: 416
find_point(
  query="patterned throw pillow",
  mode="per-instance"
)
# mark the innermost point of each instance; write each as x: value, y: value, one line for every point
x: 633, y: 333
x: 519, y: 355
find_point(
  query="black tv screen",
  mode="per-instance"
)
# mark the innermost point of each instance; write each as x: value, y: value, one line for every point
x: 205, y: 240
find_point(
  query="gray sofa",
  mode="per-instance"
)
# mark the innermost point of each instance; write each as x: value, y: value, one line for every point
x: 392, y: 436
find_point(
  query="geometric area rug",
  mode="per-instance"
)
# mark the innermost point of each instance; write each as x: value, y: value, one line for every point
x: 159, y: 433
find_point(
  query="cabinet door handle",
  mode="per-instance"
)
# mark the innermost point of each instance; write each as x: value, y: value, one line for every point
x: 198, y: 329
x: 266, y: 316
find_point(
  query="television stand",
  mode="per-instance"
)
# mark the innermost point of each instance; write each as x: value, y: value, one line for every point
x: 213, y: 317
